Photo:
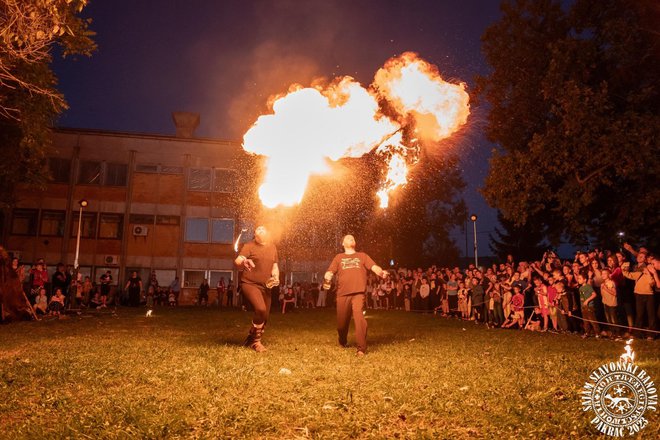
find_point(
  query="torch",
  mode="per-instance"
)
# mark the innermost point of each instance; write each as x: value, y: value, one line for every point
x: 238, y: 239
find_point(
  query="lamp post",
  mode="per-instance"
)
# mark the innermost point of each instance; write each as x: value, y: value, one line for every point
x: 473, y: 217
x: 83, y: 204
x: 621, y: 234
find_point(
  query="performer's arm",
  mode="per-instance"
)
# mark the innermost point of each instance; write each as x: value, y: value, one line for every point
x: 245, y: 263
x: 275, y: 272
x: 327, y: 278
x: 379, y: 271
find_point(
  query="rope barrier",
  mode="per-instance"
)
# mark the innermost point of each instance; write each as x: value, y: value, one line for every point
x: 630, y: 329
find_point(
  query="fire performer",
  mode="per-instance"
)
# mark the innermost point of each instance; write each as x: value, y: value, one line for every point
x: 351, y: 268
x: 258, y: 260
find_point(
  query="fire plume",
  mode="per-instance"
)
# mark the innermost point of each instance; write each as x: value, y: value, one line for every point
x: 310, y: 126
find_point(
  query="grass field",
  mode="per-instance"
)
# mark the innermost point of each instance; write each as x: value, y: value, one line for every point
x: 183, y: 374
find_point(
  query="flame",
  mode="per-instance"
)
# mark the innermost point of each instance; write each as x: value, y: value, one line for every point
x: 629, y: 355
x: 238, y: 239
x: 310, y: 126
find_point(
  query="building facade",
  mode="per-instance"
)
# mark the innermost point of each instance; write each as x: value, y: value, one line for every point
x: 156, y: 204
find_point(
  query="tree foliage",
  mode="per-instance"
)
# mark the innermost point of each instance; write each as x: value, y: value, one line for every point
x: 574, y: 111
x: 524, y: 242
x: 29, y: 101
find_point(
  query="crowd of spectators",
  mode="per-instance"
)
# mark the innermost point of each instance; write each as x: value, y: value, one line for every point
x: 596, y: 293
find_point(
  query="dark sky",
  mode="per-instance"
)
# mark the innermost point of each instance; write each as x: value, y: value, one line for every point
x: 224, y: 58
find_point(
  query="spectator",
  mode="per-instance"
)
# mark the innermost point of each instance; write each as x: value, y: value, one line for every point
x: 41, y: 302
x: 106, y: 282
x: 587, y: 297
x: 644, y: 277
x: 134, y: 289
x: 56, y: 304
x: 203, y: 293
x: 38, y: 279
x: 608, y: 295
x: 175, y: 288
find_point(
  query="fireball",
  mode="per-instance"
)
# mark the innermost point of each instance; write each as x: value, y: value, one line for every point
x: 308, y: 127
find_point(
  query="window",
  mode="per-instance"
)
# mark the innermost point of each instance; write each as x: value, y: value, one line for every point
x: 146, y: 168
x: 222, y: 230
x: 52, y: 223
x: 60, y: 169
x: 24, y: 222
x: 199, y: 179
x: 171, y: 170
x: 116, y: 174
x: 224, y: 180
x: 111, y: 226
x: 168, y: 220
x: 197, y: 229
x: 165, y: 276
x: 87, y: 227
x: 142, y: 219
x: 193, y: 278
x: 89, y: 173
x: 215, y: 276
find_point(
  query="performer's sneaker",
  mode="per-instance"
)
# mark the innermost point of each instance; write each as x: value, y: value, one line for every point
x: 360, y: 353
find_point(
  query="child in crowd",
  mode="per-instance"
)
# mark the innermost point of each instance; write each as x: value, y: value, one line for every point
x: 172, y: 299
x: 511, y: 321
x: 587, y: 297
x: 517, y: 305
x: 535, y: 319
x: 608, y: 295
x: 41, y: 302
x: 463, y: 300
x: 56, y: 305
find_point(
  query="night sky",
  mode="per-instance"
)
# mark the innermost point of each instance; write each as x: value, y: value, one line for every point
x: 224, y: 58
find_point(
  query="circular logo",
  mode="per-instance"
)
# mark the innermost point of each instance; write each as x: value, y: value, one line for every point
x: 619, y: 394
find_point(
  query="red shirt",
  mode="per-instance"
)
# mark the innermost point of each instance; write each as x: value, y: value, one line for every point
x: 351, y: 270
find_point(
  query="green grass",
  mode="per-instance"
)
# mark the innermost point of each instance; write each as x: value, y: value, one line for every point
x: 183, y: 374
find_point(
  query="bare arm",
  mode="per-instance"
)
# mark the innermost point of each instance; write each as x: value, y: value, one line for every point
x: 379, y: 271
x: 275, y: 272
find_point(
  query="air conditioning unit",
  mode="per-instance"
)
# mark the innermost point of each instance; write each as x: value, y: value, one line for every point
x: 140, y: 231
x: 111, y: 260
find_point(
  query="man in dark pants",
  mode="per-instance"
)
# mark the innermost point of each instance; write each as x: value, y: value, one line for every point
x: 351, y: 268
x: 258, y: 259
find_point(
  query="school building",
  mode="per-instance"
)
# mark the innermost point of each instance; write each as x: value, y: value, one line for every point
x: 159, y: 203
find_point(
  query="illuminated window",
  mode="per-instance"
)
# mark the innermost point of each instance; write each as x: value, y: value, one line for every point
x: 52, y: 223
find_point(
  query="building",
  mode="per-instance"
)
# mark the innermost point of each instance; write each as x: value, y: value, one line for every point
x: 166, y: 204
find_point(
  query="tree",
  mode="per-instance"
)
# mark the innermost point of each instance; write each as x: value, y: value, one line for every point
x: 574, y: 112
x: 29, y: 100
x: 523, y: 242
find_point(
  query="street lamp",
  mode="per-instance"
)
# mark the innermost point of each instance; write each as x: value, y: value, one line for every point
x: 473, y: 217
x: 621, y: 234
x: 83, y: 204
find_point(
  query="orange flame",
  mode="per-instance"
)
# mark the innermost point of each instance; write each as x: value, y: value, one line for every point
x: 309, y: 126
